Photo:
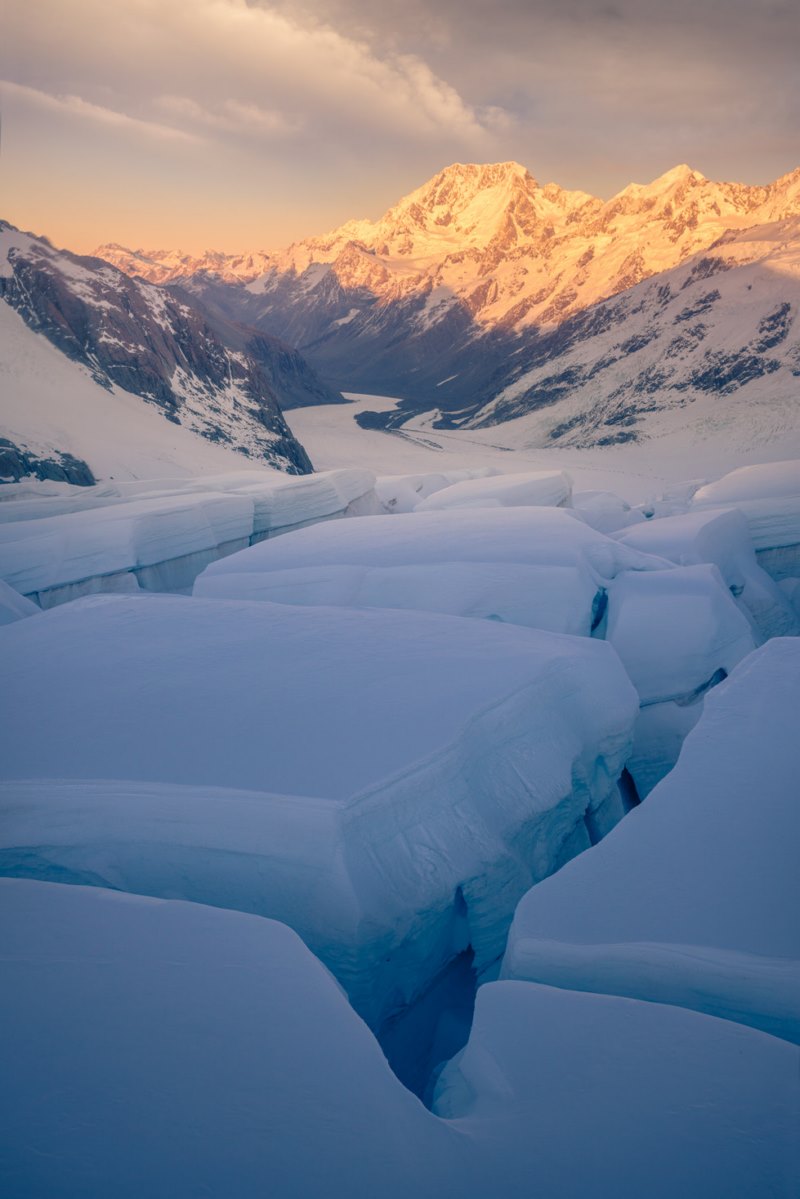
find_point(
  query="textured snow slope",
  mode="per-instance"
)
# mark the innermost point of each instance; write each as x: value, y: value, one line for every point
x: 172, y: 1049
x: 545, y: 489
x: 595, y: 1095
x: 448, y: 763
x: 721, y: 538
x: 57, y: 541
x: 169, y: 1049
x: 537, y: 567
x: 693, y: 899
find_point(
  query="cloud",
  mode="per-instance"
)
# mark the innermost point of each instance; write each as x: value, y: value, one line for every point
x: 240, y: 68
x: 232, y: 116
x: 76, y: 106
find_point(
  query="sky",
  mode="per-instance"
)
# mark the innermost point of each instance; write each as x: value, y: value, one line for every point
x: 246, y: 124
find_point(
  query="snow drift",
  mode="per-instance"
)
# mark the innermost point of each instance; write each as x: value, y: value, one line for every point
x: 693, y: 898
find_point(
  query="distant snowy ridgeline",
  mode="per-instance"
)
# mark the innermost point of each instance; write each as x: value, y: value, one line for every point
x: 59, y: 542
x: 693, y: 899
x: 388, y: 783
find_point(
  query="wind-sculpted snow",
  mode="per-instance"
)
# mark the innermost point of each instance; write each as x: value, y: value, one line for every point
x: 538, y: 488
x: 769, y: 497
x: 402, y: 493
x: 611, y: 1096
x: 172, y: 1049
x: 446, y: 764
x: 14, y: 606
x: 674, y: 629
x: 722, y: 538
x: 537, y: 567
x: 693, y: 899
x: 158, y: 534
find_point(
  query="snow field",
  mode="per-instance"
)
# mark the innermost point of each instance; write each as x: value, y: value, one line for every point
x: 720, y: 537
x: 160, y: 534
x: 536, y: 488
x: 769, y: 497
x: 446, y: 764
x: 692, y: 900
x: 14, y: 606
x: 165, y: 1048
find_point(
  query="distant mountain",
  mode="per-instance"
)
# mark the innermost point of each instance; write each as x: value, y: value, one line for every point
x: 445, y: 298
x: 721, y: 327
x: 134, y: 337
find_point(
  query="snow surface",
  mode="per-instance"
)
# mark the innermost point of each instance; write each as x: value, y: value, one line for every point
x: 722, y: 538
x: 172, y: 1049
x: 14, y: 606
x: 541, y: 568
x: 636, y: 473
x: 402, y: 493
x: 675, y: 629
x: 55, y: 539
x: 531, y: 536
x: 693, y: 899
x: 448, y: 764
x: 164, y: 1048
x: 540, y: 488
x: 610, y: 1096
x: 769, y: 497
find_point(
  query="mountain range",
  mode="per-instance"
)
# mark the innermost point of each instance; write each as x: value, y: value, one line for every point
x: 214, y: 377
x: 472, y: 296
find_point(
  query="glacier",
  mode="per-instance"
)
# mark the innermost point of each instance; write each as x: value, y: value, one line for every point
x: 165, y: 1048
x: 440, y: 765
x: 159, y: 534
x: 692, y: 899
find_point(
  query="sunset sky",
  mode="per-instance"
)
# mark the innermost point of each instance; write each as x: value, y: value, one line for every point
x: 236, y: 125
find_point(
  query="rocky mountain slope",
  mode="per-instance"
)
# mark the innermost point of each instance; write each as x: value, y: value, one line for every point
x: 714, y: 340
x: 217, y: 379
x: 431, y: 299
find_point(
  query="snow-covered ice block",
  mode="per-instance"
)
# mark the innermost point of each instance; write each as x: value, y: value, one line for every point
x: 402, y: 493
x: 37, y: 556
x: 449, y: 763
x: 675, y: 630
x: 594, y: 1095
x: 605, y: 511
x: 720, y: 537
x: 531, y: 536
x: 14, y: 606
x: 282, y: 502
x: 537, y: 567
x: 562, y: 599
x: 763, y: 481
x: 172, y: 1049
x: 769, y: 496
x: 693, y: 898
x: 541, y: 488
